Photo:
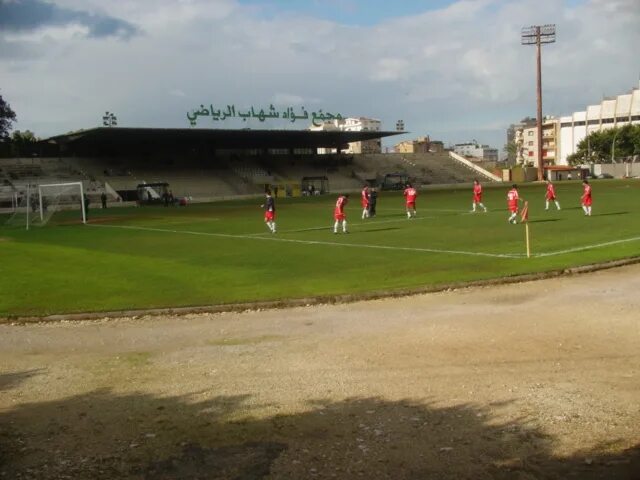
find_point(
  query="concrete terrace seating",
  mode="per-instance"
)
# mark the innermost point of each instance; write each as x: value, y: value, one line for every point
x: 199, y: 183
x: 425, y: 168
x: 228, y: 176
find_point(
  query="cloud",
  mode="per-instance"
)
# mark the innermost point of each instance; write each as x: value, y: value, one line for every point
x: 454, y: 73
x: 288, y: 99
x: 390, y: 69
x: 28, y: 15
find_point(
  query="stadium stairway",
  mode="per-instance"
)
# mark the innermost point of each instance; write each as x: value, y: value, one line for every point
x: 478, y: 170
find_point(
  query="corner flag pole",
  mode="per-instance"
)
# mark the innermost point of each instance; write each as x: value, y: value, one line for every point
x: 525, y: 219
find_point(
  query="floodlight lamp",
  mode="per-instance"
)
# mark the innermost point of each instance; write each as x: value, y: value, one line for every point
x: 549, y: 29
x: 529, y: 35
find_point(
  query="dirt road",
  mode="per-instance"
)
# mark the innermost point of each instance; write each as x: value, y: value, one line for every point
x: 526, y: 381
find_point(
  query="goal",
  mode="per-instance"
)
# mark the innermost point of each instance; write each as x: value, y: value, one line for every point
x: 37, y: 204
x: 53, y: 197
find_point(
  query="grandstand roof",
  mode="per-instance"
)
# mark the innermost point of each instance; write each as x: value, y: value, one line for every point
x: 218, y: 138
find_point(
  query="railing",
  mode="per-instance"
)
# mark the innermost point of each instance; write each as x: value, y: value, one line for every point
x: 474, y: 167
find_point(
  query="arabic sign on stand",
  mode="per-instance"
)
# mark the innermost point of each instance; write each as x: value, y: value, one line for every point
x: 289, y: 114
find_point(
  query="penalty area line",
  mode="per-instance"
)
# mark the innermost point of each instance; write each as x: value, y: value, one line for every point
x: 317, y: 242
x: 350, y: 224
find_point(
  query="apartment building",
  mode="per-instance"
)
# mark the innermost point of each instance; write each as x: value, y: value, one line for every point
x: 515, y: 135
x: 420, y: 145
x: 528, y: 139
x: 473, y: 149
x: 353, y: 124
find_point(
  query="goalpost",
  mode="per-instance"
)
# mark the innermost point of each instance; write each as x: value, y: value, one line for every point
x: 36, y: 204
x: 63, y: 194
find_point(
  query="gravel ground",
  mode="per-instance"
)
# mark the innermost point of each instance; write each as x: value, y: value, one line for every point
x: 523, y: 381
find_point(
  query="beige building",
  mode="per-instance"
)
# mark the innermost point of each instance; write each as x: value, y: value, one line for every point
x: 526, y: 140
x: 420, y: 145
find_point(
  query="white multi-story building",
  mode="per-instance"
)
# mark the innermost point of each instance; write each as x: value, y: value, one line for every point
x: 353, y: 124
x: 611, y: 112
x: 473, y: 149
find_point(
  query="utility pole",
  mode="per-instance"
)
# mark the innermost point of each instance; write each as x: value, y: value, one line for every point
x: 538, y: 35
x: 613, y: 146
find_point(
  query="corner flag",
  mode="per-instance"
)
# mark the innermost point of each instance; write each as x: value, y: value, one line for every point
x: 524, y: 215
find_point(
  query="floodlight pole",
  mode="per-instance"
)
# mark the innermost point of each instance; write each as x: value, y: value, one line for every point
x: 538, y: 35
x: 539, y: 104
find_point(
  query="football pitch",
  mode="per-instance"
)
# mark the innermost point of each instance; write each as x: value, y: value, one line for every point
x: 222, y: 253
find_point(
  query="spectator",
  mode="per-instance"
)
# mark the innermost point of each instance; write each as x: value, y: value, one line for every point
x: 373, y: 199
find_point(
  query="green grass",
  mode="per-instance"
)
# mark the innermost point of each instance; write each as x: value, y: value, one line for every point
x: 222, y: 253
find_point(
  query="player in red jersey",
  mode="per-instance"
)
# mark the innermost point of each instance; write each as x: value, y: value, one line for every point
x: 512, y: 203
x: 477, y: 196
x: 410, y: 195
x: 364, y: 201
x: 339, y: 215
x: 269, y: 211
x: 550, y: 195
x: 586, y: 198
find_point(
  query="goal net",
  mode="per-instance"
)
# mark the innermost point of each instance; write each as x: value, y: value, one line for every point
x: 40, y: 203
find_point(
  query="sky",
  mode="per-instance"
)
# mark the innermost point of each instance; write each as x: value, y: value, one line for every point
x: 454, y: 70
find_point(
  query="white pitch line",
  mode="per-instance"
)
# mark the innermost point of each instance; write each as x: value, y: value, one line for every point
x: 587, y: 247
x: 316, y: 242
x: 428, y: 210
x: 351, y: 224
x: 191, y: 219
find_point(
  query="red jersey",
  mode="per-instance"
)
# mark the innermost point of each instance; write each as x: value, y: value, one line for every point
x: 410, y: 195
x: 364, y: 199
x: 269, y: 209
x: 338, y: 213
x: 512, y: 200
x: 551, y: 192
x: 477, y: 192
x: 586, y: 195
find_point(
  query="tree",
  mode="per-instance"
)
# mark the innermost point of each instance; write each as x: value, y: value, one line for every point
x: 23, y: 143
x: 599, y: 146
x: 511, y: 149
x: 7, y: 117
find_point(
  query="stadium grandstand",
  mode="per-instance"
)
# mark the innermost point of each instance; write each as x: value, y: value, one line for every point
x: 210, y: 164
